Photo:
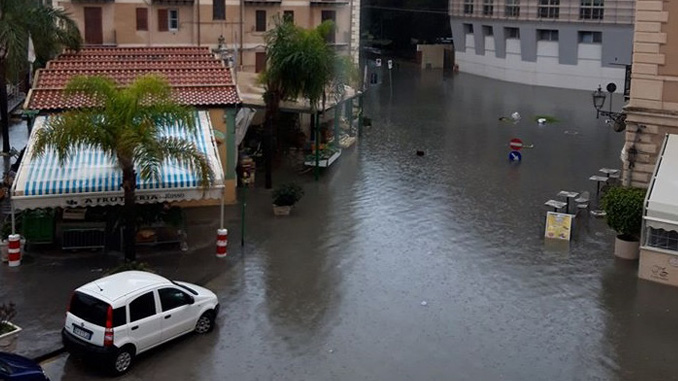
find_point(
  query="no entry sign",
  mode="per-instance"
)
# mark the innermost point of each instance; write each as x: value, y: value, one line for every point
x: 516, y: 144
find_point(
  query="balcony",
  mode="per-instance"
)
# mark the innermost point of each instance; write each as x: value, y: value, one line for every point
x: 328, y: 2
x: 172, y: 2
x: 92, y: 1
x: 263, y: 2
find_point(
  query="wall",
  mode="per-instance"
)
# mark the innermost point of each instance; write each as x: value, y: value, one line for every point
x: 658, y: 267
x: 433, y: 55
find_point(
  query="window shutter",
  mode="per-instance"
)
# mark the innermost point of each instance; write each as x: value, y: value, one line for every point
x: 142, y: 18
x: 162, y: 20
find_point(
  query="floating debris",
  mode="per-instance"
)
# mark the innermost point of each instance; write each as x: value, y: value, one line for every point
x: 515, y: 116
x: 420, y: 153
x: 424, y: 303
x: 568, y: 132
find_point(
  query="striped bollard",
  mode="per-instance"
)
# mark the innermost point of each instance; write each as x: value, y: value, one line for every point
x: 14, y: 250
x: 222, y: 242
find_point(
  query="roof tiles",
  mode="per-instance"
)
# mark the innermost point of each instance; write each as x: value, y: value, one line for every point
x: 196, y: 77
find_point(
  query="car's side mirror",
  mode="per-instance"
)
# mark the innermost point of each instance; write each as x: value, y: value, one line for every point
x: 190, y: 299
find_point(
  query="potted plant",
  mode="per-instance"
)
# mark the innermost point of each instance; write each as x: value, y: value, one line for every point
x: 284, y: 197
x: 8, y: 330
x: 624, y: 209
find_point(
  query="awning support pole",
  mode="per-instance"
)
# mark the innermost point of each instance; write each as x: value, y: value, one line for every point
x: 13, y: 223
x: 221, y: 219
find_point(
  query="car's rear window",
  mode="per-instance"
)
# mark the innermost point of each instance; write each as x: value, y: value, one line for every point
x: 89, y: 309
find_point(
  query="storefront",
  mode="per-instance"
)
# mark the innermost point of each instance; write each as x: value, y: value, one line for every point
x: 80, y: 196
x: 659, y: 241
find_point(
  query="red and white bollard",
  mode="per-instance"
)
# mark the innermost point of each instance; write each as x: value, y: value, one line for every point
x: 222, y: 242
x: 14, y: 250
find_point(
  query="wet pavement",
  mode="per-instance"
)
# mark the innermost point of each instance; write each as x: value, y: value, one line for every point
x: 336, y: 291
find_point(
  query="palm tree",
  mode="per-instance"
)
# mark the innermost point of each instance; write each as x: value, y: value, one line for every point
x: 127, y: 125
x: 50, y: 29
x: 300, y: 62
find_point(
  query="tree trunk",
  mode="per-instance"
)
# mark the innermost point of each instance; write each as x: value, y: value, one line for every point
x: 129, y: 214
x: 272, y: 108
x: 4, y: 106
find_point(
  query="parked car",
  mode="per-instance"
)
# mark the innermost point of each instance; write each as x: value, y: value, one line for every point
x: 18, y: 368
x: 122, y: 315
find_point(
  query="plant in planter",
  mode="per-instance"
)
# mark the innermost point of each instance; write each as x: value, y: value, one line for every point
x: 624, y: 209
x: 8, y: 330
x: 284, y: 197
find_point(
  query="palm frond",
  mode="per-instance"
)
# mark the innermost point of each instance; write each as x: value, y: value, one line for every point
x: 186, y: 152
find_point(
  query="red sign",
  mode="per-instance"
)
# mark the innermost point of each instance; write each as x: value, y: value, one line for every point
x: 516, y: 144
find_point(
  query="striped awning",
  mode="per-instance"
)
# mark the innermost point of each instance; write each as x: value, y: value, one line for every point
x: 91, y: 178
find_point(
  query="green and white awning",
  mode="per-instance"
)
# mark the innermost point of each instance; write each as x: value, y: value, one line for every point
x: 91, y: 178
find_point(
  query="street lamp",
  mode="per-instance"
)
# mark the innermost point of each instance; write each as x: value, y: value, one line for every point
x: 617, y: 119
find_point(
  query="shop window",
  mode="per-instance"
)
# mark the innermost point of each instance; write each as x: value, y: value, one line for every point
x: 468, y: 7
x: 512, y: 8
x: 662, y: 239
x: 591, y: 9
x: 547, y: 35
x: 218, y: 9
x: 549, y: 9
x: 260, y: 21
x: 487, y: 30
x: 512, y: 33
x: 591, y: 37
x: 488, y: 7
x: 142, y: 18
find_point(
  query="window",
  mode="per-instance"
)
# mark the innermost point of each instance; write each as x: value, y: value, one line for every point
x: 468, y: 7
x: 512, y: 8
x: 142, y: 18
x: 171, y: 298
x: 662, y: 239
x: 89, y: 309
x: 119, y: 317
x: 488, y: 7
x: 468, y: 28
x: 549, y: 9
x: 218, y: 9
x: 512, y: 32
x: 591, y: 9
x: 162, y: 20
x: 488, y: 31
x: 142, y: 307
x: 331, y: 16
x: 547, y: 35
x: 591, y: 37
x: 173, y: 19
x: 260, y: 21
x: 288, y: 16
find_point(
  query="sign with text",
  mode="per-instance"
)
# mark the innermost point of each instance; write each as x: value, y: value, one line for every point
x: 558, y: 225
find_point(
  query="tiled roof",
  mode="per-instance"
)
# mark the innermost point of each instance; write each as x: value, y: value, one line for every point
x: 197, y: 78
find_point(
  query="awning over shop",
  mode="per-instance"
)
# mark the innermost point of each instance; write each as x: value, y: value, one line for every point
x: 91, y: 178
x: 662, y: 201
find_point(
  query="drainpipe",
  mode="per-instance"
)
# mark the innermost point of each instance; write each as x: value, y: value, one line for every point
x: 242, y: 23
x: 198, y: 15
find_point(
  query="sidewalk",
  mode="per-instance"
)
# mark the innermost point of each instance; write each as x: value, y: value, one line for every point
x: 42, y: 285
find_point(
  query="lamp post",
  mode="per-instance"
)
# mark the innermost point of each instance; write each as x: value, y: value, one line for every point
x: 617, y: 118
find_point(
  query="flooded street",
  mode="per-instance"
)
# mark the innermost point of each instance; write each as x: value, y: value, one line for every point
x: 403, y: 267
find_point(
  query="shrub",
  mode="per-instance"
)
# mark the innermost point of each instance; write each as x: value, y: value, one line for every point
x: 129, y: 266
x: 624, y: 209
x: 7, y: 313
x: 287, y: 194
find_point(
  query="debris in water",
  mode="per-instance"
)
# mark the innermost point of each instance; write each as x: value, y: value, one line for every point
x: 420, y: 153
x: 541, y: 121
x: 515, y: 116
x: 568, y: 132
x: 331, y: 351
x: 424, y: 303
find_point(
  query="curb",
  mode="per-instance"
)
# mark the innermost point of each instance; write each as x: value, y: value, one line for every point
x: 49, y: 355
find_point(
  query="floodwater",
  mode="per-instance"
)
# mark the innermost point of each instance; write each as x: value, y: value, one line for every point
x: 403, y: 267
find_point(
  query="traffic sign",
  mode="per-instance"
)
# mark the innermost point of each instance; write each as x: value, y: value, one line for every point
x: 516, y: 144
x: 378, y: 62
x: 390, y: 64
x: 515, y: 156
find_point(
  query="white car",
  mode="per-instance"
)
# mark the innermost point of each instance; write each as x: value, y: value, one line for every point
x: 122, y: 315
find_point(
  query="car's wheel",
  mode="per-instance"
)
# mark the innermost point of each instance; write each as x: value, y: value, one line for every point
x: 206, y: 323
x: 122, y: 361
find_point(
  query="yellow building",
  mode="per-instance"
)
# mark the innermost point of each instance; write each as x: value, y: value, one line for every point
x: 652, y: 111
x: 242, y: 23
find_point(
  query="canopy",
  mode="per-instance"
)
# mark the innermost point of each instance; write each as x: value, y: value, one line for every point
x: 661, y: 210
x: 91, y: 178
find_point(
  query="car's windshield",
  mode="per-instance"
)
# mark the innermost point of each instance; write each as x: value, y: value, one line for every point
x: 192, y: 291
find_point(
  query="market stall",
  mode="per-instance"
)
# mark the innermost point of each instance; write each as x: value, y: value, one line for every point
x: 90, y: 181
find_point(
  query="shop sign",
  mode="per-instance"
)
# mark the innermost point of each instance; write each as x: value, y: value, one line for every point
x: 558, y: 225
x: 120, y: 199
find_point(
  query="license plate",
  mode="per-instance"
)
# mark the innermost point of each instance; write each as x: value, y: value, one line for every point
x: 85, y: 334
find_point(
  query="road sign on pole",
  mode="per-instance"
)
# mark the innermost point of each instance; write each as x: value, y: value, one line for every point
x: 516, y: 144
x: 390, y: 64
x: 515, y: 156
x: 378, y: 62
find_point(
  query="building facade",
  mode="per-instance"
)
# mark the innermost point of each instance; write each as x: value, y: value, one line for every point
x: 575, y: 44
x: 241, y: 23
x: 652, y: 111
